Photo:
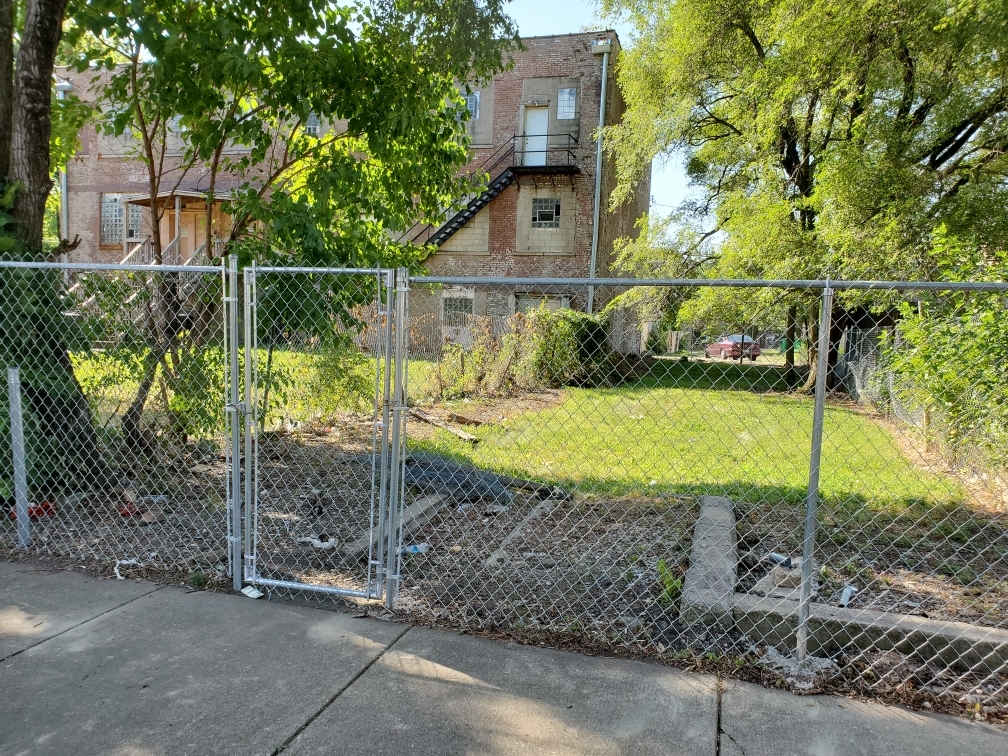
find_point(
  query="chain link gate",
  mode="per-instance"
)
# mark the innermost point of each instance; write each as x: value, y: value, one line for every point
x: 322, y: 411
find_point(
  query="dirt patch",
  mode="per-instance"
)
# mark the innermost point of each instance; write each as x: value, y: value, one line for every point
x: 587, y: 565
x: 483, y: 411
x: 170, y: 518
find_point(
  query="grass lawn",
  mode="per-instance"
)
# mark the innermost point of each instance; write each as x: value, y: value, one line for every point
x: 702, y: 428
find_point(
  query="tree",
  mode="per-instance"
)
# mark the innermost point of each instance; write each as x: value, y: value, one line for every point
x: 33, y: 332
x: 251, y: 75
x: 825, y: 138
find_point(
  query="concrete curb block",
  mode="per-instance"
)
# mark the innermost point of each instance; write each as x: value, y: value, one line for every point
x: 415, y: 516
x: 709, y: 586
x: 963, y: 647
x: 709, y: 598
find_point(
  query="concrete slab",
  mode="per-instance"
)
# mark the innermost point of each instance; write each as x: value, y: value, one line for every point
x: 757, y: 721
x: 175, y: 672
x: 709, y: 587
x: 38, y: 603
x: 436, y: 692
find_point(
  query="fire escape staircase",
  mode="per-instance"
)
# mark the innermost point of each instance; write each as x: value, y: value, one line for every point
x: 505, y: 164
x: 497, y: 185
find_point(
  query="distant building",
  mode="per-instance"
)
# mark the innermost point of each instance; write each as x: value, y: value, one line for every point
x: 533, y: 132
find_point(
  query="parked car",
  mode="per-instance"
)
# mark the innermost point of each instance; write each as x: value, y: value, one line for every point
x: 733, y: 347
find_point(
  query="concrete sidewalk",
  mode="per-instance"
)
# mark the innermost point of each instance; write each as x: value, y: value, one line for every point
x: 121, y: 667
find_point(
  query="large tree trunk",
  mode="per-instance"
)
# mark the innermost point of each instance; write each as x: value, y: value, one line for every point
x: 6, y: 83
x: 31, y: 121
x: 64, y: 442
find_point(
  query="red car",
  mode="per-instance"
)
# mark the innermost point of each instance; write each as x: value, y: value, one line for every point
x: 734, y: 347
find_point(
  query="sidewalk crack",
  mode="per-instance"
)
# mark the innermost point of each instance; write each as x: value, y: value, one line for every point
x: 81, y: 624
x: 338, y: 693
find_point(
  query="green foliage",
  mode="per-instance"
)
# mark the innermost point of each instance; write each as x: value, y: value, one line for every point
x: 343, y: 377
x: 823, y: 138
x: 197, y: 580
x: 197, y: 389
x: 380, y: 77
x: 562, y: 348
x: 541, y: 349
x: 950, y: 358
x: 671, y: 584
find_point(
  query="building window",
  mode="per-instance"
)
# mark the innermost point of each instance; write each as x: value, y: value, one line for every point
x: 531, y: 301
x: 111, y: 219
x: 545, y: 212
x: 457, y: 310
x: 565, y: 104
x: 472, y: 104
x: 312, y: 125
x: 135, y: 229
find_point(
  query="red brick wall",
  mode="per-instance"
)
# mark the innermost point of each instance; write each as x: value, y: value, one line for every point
x: 567, y: 56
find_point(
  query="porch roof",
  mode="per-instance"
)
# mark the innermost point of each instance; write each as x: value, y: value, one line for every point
x: 144, y: 199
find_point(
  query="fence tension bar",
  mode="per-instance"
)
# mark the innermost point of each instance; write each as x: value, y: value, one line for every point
x: 812, y: 499
x: 392, y: 555
x: 248, y: 421
x: 386, y: 408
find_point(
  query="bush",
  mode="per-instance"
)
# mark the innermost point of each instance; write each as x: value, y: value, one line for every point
x: 541, y: 349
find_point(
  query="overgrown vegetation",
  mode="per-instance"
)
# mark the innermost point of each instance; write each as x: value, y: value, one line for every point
x: 540, y: 349
x: 950, y: 359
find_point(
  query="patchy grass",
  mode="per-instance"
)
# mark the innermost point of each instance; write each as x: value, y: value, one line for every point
x: 701, y: 440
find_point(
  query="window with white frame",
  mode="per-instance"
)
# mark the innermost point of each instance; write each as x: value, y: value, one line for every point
x: 472, y: 104
x: 566, y: 101
x: 111, y: 219
x: 545, y: 212
x: 312, y: 125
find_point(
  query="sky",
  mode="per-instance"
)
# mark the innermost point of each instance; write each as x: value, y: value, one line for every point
x: 536, y: 17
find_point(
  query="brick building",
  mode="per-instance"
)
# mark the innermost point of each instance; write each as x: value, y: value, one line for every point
x: 533, y: 133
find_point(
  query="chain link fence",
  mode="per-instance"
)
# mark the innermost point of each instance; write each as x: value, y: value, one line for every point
x: 641, y: 479
x: 120, y: 376
x: 804, y: 475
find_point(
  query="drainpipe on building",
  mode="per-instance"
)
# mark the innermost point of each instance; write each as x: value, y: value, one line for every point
x: 62, y: 87
x: 599, y: 47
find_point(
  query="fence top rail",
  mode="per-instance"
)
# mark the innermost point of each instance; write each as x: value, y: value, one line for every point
x: 97, y: 267
x: 741, y: 283
x: 319, y: 271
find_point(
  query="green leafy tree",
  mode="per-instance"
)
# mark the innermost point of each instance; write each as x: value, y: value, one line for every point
x: 378, y: 80
x: 823, y: 138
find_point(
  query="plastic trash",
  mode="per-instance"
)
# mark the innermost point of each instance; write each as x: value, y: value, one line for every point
x: 125, y: 563
x: 321, y: 542
x: 783, y: 561
x: 252, y: 592
x: 417, y: 548
x: 37, y: 511
x: 847, y: 595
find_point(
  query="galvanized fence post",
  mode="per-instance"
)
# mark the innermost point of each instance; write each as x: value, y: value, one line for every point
x: 18, y: 458
x: 386, y: 408
x: 812, y: 499
x: 234, y: 410
x: 396, y: 460
x: 251, y: 468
